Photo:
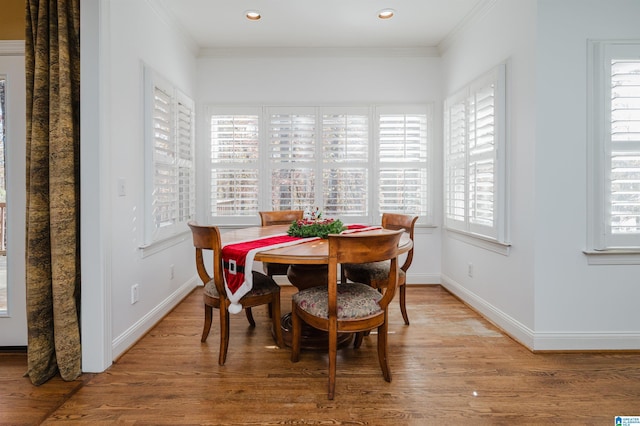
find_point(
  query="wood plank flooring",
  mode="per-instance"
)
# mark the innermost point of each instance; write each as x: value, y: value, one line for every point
x: 450, y: 366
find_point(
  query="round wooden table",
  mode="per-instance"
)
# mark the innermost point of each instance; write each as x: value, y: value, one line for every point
x: 307, y: 268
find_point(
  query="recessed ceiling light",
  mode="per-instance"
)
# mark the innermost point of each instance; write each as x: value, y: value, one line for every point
x: 252, y: 15
x: 386, y: 13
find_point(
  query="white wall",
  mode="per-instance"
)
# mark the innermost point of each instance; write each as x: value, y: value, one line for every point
x: 332, y: 78
x: 544, y: 293
x: 140, y: 35
x: 502, y: 286
x: 591, y: 306
x: 130, y: 34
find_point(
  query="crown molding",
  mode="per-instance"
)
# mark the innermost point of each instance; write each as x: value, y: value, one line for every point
x: 162, y: 11
x: 320, y: 52
x: 11, y: 47
x: 477, y: 13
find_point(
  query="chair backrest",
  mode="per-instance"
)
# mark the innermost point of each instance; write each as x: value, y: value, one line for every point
x: 401, y: 221
x: 207, y: 237
x: 280, y: 217
x: 363, y: 248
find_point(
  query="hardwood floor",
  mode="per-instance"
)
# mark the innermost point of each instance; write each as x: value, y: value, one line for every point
x: 449, y: 366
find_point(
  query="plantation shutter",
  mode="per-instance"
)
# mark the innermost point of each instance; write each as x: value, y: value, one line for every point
x: 623, y: 186
x: 481, y: 160
x: 186, y: 163
x: 403, y: 169
x: 302, y: 158
x: 169, y: 165
x: 292, y: 154
x: 475, y: 170
x: 234, y: 164
x: 164, y: 159
x: 456, y: 161
x: 345, y: 153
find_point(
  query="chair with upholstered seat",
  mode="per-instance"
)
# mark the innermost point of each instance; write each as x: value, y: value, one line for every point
x: 278, y: 217
x: 349, y: 307
x: 265, y: 290
x: 376, y: 274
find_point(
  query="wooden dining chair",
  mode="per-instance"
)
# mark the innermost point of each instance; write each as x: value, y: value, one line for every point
x: 278, y: 217
x: 349, y: 307
x: 376, y: 274
x: 265, y: 290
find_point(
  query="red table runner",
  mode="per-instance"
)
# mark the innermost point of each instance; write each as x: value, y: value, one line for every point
x: 237, y: 259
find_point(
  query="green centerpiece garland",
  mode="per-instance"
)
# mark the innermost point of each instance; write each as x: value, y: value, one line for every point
x: 315, y: 226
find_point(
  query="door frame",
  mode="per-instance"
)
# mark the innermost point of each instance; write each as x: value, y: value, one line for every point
x: 13, y: 328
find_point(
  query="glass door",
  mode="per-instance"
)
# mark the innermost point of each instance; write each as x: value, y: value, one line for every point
x: 13, y: 318
x: 4, y: 306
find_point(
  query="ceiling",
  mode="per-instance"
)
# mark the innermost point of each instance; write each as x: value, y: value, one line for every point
x: 220, y: 24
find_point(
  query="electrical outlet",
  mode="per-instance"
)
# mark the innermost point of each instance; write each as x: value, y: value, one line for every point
x: 171, y: 272
x: 134, y: 293
x: 470, y: 269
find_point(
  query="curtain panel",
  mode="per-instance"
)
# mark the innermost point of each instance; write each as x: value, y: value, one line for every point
x: 52, y: 56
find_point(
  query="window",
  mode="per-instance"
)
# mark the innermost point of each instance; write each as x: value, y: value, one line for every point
x: 353, y: 162
x: 614, y: 167
x: 474, y: 157
x: 169, y: 163
x: 403, y: 153
x: 235, y: 165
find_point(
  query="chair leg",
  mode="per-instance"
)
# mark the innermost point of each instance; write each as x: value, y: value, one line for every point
x: 249, y: 314
x: 357, y: 341
x: 382, y: 350
x: 208, y: 314
x: 224, y: 336
x: 403, y: 304
x: 296, y: 330
x: 333, y: 355
x: 269, y: 305
x: 274, y: 308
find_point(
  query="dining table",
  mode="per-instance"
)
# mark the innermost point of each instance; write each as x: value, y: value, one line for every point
x: 308, y: 267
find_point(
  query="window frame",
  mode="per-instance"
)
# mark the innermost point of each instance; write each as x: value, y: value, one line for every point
x: 266, y: 164
x: 621, y: 249
x: 498, y: 232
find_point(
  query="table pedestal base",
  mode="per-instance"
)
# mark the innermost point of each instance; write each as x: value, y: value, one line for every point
x: 312, y: 338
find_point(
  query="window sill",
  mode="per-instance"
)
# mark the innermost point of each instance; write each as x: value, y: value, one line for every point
x: 480, y: 241
x: 158, y: 246
x: 613, y: 257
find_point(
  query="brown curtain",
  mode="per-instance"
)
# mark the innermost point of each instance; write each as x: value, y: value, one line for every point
x: 52, y: 56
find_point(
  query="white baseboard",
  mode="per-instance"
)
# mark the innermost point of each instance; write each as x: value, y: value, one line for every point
x: 587, y: 341
x: 127, y: 339
x: 423, y: 278
x: 509, y: 325
x: 543, y: 341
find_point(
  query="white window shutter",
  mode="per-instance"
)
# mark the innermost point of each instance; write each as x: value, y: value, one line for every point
x: 345, y: 148
x: 403, y: 161
x: 321, y: 157
x: 169, y: 164
x: 164, y: 159
x: 475, y: 170
x: 186, y: 163
x: 456, y: 162
x: 622, y: 168
x: 234, y: 165
x: 291, y: 140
